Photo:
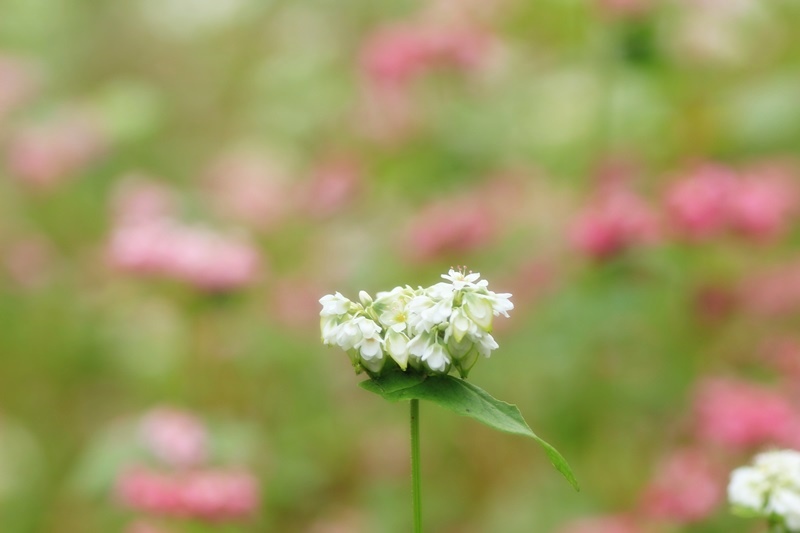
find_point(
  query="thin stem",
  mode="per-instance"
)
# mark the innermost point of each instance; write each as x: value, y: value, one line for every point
x: 415, y: 471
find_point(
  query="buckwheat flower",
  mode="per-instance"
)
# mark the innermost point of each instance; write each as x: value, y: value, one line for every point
x: 349, y: 334
x: 370, y: 346
x: 334, y: 305
x: 460, y: 325
x: 460, y: 279
x: 396, y: 345
x: 436, y: 358
x: 770, y: 487
x: 485, y: 344
x: 425, y: 351
x: 479, y: 309
x: 430, y: 329
x: 330, y: 326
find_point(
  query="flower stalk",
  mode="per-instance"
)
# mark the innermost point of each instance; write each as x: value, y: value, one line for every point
x: 416, y: 477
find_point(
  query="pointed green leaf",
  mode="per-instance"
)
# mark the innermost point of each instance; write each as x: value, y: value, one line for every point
x: 466, y: 399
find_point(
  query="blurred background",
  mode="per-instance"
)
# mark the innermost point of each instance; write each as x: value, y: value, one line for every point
x: 182, y: 180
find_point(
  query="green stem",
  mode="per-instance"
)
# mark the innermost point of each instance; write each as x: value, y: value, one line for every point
x: 415, y: 471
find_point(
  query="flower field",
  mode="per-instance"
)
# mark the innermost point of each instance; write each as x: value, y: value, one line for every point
x: 195, y: 193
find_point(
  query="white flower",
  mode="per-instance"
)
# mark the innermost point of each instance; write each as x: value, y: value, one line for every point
x: 460, y: 325
x: 436, y: 358
x: 501, y: 304
x: 394, y: 315
x: 479, y: 309
x: 370, y: 348
x: 349, y: 334
x: 770, y: 487
x: 460, y: 279
x: 430, y: 329
x: 420, y: 345
x: 747, y: 488
x: 329, y: 325
x: 431, y: 308
x: 334, y: 305
x: 396, y: 345
x: 786, y: 503
x: 486, y: 344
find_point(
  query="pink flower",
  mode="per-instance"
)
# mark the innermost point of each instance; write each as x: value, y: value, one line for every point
x: 698, y: 204
x: 208, y: 260
x: 210, y: 495
x: 333, y: 185
x: 602, y: 524
x: 686, y: 488
x: 613, y: 222
x: 139, y: 199
x: 773, y: 292
x: 248, y: 187
x: 45, y: 155
x: 450, y: 227
x: 763, y: 204
x: 175, y: 437
x: 396, y: 55
x: 740, y: 415
x: 783, y: 354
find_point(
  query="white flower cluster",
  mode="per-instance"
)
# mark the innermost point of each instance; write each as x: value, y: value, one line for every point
x: 771, y: 487
x: 430, y: 330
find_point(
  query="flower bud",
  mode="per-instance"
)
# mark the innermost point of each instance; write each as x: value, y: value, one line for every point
x: 366, y: 299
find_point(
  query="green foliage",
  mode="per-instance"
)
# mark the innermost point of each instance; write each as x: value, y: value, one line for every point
x: 465, y: 399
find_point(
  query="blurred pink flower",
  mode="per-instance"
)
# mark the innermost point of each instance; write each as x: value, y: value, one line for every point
x: 763, y: 203
x: 251, y: 188
x: 45, y: 155
x: 333, y: 185
x: 602, y: 524
x: 208, y: 260
x: 698, y: 204
x: 175, y: 437
x: 395, y: 56
x: 740, y: 415
x: 614, y: 221
x: 772, y: 292
x: 211, y: 495
x: 140, y: 199
x: 686, y: 488
x: 450, y: 227
x: 712, y: 199
x: 783, y: 354
x: 19, y: 82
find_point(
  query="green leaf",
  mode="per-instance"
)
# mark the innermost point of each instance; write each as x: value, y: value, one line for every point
x: 392, y: 382
x: 465, y: 399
